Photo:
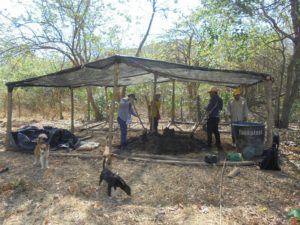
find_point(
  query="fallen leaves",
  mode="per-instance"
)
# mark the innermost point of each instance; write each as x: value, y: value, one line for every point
x: 294, y: 221
x: 72, y: 188
x: 97, y: 205
x: 263, y: 209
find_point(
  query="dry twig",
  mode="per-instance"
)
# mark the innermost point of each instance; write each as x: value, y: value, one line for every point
x: 221, y: 186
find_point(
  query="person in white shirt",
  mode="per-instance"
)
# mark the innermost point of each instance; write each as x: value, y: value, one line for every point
x: 238, y: 110
x: 124, y: 117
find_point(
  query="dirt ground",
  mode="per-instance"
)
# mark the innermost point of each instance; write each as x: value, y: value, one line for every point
x: 68, y: 192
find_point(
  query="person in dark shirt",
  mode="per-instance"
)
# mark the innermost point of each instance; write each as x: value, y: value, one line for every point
x: 213, y: 109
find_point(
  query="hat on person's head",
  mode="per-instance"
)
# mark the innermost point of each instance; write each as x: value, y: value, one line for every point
x: 236, y: 91
x: 213, y: 89
x: 132, y: 96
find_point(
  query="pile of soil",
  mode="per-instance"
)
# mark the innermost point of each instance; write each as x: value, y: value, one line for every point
x: 168, y: 143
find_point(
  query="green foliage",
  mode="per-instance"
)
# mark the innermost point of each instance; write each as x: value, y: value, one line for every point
x: 226, y: 96
x: 57, y: 34
x: 295, y: 115
x: 101, y: 102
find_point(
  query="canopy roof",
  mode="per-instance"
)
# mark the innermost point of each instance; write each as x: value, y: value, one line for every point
x: 133, y: 70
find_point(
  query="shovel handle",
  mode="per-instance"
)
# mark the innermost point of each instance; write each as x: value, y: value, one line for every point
x: 138, y: 116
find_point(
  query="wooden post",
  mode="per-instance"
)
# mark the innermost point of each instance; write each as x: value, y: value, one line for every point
x: 173, y: 103
x: 243, y: 89
x: 112, y: 108
x: 123, y: 93
x: 72, y: 110
x: 9, y: 116
x: 162, y: 106
x: 181, y: 110
x: 88, y: 108
x: 269, y: 107
x: 148, y: 107
x: 198, y: 109
x: 153, y: 102
x: 106, y: 105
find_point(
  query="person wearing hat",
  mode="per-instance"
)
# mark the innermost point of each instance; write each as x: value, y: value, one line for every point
x: 154, y: 113
x: 124, y: 117
x: 213, y: 109
x: 237, y: 109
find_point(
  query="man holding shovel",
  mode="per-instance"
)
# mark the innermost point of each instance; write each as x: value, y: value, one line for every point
x: 213, y: 109
x: 124, y: 117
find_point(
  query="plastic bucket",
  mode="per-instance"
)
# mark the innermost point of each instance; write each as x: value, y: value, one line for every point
x: 249, y: 138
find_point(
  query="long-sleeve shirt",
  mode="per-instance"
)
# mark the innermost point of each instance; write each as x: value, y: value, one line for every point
x: 214, y: 106
x: 125, y: 110
x: 238, y: 110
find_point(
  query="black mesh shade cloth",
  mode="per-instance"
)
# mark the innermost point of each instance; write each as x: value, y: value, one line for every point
x: 134, y: 70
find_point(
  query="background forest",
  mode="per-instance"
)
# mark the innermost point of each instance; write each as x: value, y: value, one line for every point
x: 50, y: 35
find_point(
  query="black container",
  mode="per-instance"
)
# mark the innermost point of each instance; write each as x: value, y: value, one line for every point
x: 249, y: 138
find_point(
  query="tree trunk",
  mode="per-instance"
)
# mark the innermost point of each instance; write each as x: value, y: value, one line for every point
x: 98, y: 115
x: 292, y: 88
x: 293, y: 76
x: 280, y: 86
x: 148, y: 29
x: 291, y: 94
x: 138, y: 52
x: 192, y: 89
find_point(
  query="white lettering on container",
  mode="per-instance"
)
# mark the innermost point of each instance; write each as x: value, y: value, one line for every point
x: 250, y: 132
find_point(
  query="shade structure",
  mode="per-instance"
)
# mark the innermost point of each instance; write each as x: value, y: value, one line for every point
x: 134, y: 70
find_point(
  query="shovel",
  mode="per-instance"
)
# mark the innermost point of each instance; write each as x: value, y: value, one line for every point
x: 144, y: 135
x: 197, y: 125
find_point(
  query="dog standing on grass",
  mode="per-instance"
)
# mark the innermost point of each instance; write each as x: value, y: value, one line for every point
x: 113, y: 180
x: 41, y: 151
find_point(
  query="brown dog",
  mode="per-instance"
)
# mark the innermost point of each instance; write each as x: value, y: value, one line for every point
x: 41, y: 151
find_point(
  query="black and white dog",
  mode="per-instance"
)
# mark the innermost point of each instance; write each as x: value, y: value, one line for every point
x: 113, y: 180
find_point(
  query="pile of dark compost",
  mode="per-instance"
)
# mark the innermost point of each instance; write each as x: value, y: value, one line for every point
x: 168, y: 143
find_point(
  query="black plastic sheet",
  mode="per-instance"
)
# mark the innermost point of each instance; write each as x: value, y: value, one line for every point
x: 25, y: 138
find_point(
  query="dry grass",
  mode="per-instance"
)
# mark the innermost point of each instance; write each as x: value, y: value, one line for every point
x: 68, y: 193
